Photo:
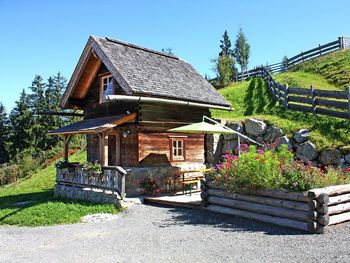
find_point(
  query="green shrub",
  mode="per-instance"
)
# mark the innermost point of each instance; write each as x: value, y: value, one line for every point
x: 274, y: 169
x: 9, y: 174
x: 27, y: 166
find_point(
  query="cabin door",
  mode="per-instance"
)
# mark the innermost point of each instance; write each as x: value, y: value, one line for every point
x: 114, y: 149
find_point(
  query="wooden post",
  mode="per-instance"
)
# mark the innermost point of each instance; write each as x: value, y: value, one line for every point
x: 319, y: 47
x: 313, y: 98
x: 103, y: 149
x: 348, y: 88
x: 66, y: 141
x: 239, y: 144
x: 285, y: 88
x: 341, y: 42
x: 117, y: 148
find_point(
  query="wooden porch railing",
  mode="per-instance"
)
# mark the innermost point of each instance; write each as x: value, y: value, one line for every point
x: 112, y: 178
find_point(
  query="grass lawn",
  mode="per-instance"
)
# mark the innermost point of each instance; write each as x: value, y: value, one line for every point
x: 251, y: 99
x: 44, y: 210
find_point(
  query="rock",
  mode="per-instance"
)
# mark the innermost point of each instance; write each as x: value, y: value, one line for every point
x: 272, y: 133
x: 255, y: 127
x: 236, y: 127
x: 306, y: 151
x: 282, y: 140
x: 229, y: 146
x: 330, y: 156
x: 260, y: 139
x: 302, y: 135
x: 347, y: 158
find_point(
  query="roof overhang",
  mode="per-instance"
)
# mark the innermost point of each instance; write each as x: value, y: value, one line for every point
x: 95, y: 125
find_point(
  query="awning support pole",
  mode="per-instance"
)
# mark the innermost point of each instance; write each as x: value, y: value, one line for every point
x: 66, y: 141
x: 103, y: 149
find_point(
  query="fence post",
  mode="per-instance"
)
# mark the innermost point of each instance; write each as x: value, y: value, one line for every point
x: 319, y: 47
x: 313, y: 100
x: 341, y: 42
x: 348, y: 88
x: 285, y: 89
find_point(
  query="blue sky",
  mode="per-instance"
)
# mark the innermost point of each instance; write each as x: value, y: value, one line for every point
x: 44, y: 37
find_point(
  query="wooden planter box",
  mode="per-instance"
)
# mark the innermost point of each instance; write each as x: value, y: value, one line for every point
x: 313, y: 211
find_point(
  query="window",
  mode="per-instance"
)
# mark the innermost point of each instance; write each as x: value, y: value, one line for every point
x: 177, y: 149
x: 107, y: 86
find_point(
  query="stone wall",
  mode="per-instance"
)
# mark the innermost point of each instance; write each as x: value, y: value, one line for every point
x: 305, y: 150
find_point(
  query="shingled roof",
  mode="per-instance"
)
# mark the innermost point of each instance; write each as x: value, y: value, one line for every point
x: 142, y: 71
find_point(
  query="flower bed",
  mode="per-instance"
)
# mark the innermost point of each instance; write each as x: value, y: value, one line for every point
x: 272, y: 187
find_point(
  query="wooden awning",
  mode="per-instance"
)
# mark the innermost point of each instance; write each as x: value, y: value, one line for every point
x: 95, y: 125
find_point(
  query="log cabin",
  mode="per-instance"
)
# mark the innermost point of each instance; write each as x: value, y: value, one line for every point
x: 131, y: 96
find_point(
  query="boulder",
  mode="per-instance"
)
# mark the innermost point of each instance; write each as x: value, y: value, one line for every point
x: 255, y: 127
x: 347, y: 158
x: 229, y: 146
x: 272, y: 133
x: 306, y: 151
x: 302, y: 135
x: 330, y: 156
x: 282, y: 140
x: 236, y: 127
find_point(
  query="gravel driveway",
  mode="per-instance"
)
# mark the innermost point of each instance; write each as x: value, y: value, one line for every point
x: 163, y: 234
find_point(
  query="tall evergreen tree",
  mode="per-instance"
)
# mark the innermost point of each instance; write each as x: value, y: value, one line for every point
x: 242, y: 50
x: 4, y: 136
x: 21, y: 125
x: 225, y: 45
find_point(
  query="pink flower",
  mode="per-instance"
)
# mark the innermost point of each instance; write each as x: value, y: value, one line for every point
x: 260, y: 151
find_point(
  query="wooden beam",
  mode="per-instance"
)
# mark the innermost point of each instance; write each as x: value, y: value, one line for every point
x: 129, y: 118
x: 66, y: 146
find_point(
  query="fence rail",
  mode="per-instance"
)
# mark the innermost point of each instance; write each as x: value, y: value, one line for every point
x: 324, y: 102
x: 339, y: 44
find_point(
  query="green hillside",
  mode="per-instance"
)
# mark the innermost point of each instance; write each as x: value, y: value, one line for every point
x: 251, y: 99
x: 44, y: 209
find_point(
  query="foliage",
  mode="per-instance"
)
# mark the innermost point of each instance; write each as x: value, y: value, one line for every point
x: 225, y: 45
x: 168, y: 51
x: 44, y: 209
x: 9, y: 173
x: 242, y: 50
x: 62, y: 164
x: 274, y: 169
x: 284, y: 64
x: 223, y: 67
x: 334, y: 67
x: 251, y: 98
x: 94, y: 167
x: 150, y: 186
x: 4, y: 134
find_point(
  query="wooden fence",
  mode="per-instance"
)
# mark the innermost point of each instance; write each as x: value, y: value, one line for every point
x: 323, y: 102
x: 340, y: 43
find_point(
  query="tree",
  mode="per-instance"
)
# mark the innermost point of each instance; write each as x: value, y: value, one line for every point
x: 242, y: 50
x: 225, y: 45
x: 168, y: 51
x: 21, y: 124
x: 284, y: 64
x: 223, y: 68
x: 4, y: 154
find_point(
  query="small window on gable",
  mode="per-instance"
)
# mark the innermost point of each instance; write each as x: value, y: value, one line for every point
x: 107, y: 86
x: 177, y: 149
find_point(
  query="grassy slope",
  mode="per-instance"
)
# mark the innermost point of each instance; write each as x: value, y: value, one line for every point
x: 334, y: 67
x: 45, y: 210
x: 251, y: 99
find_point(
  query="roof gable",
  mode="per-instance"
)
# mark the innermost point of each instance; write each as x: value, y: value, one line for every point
x: 141, y: 71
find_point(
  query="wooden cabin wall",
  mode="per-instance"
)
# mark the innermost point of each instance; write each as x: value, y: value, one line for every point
x: 93, y: 148
x: 129, y: 146
x: 154, y: 149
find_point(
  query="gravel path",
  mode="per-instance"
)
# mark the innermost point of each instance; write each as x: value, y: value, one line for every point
x: 162, y: 234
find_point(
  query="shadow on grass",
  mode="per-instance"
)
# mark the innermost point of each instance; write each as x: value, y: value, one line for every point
x: 225, y: 223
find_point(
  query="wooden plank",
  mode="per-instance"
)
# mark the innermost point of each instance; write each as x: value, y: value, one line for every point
x: 331, y: 94
x: 300, y: 99
x: 340, y: 218
x: 302, y: 206
x: 299, y: 91
x: 297, y: 107
x: 332, y: 103
x: 340, y: 208
x: 338, y: 199
x: 330, y: 190
x: 338, y: 114
x: 263, y: 218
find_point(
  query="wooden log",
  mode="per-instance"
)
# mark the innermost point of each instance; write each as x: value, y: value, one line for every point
x: 323, y: 209
x: 337, y: 199
x: 204, y: 195
x: 323, y: 199
x: 312, y: 215
x: 261, y: 209
x: 330, y: 190
x: 263, y: 218
x: 336, y: 219
x: 261, y: 200
x: 323, y: 219
x: 312, y: 204
x: 340, y: 208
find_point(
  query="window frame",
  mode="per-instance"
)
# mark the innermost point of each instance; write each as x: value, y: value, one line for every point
x: 102, y: 78
x: 177, y: 158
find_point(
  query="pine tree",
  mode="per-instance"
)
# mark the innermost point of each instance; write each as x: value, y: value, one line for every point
x: 225, y: 45
x: 4, y: 154
x: 21, y: 124
x: 242, y: 50
x: 284, y: 64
